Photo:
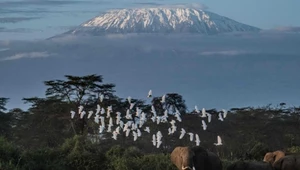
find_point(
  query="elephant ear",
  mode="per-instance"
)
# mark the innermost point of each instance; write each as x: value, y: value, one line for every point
x: 176, y: 157
x: 278, y: 164
x: 200, y: 159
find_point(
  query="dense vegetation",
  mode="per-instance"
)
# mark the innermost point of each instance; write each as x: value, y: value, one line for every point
x: 44, y: 136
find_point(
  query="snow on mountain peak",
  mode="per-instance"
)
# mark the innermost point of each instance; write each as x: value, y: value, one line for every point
x: 161, y: 20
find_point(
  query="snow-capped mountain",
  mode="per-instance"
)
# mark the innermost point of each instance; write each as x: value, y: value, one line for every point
x: 160, y: 20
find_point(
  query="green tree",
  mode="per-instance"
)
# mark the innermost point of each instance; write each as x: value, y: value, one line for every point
x: 173, y: 101
x: 79, y: 89
x: 3, y: 102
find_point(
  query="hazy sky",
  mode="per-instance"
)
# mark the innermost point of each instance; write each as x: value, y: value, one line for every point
x: 38, y: 19
x: 227, y: 71
x: 221, y: 71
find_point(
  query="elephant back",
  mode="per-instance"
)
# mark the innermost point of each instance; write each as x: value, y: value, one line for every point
x: 215, y: 161
x: 201, y: 159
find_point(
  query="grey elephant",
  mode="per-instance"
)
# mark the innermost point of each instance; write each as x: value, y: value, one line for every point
x: 195, y: 158
x: 243, y: 165
x: 289, y: 162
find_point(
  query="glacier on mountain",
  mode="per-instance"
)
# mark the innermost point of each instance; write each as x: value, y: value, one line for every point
x: 160, y: 20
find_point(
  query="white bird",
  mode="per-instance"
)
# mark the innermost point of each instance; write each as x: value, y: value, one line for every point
x: 108, y: 128
x: 153, y: 118
x: 150, y: 93
x: 153, y: 110
x: 96, y: 119
x: 166, y: 113
x: 169, y: 131
x: 102, y: 110
x: 224, y: 113
x: 109, y: 109
x: 219, y: 141
x: 102, y: 120
x: 174, y: 128
x: 82, y: 114
x: 110, y: 122
x: 154, y: 140
x: 127, y: 132
x: 191, y: 136
x: 147, y: 129
x: 101, y: 98
x: 138, y: 112
x: 139, y: 133
x: 197, y: 140
x: 121, y: 124
x: 196, y: 109
x: 178, y: 117
x: 114, y: 135
x: 163, y: 99
x: 101, y: 128
x: 182, y: 133
x: 118, y: 130
x: 173, y: 122
x: 131, y: 106
x: 220, y: 117
x: 80, y: 108
x: 129, y: 99
x: 72, y: 114
x: 98, y: 109
x: 203, y: 113
x: 204, y: 125
x: 158, y: 143
x: 90, y: 114
x: 135, y: 135
x: 158, y: 134
x: 125, y: 127
x: 208, y: 117
x: 128, y: 115
x: 141, y: 123
x: 118, y: 118
x: 158, y: 119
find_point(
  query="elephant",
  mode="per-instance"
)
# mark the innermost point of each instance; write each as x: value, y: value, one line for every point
x: 195, y: 158
x: 216, y: 163
x: 243, y: 165
x: 289, y: 162
x: 272, y: 157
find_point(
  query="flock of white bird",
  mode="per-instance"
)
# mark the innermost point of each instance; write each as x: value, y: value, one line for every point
x: 135, y: 122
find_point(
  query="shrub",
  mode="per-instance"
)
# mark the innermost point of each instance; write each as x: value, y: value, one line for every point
x: 9, y: 154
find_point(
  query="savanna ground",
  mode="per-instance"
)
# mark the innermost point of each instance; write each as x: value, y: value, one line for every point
x: 44, y: 137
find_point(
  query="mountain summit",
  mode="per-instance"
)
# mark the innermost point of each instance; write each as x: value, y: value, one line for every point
x: 160, y: 20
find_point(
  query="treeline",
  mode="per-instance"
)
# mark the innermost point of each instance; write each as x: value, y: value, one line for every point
x: 45, y: 137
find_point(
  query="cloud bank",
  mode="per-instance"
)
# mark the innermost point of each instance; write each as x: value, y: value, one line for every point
x: 257, y: 68
x: 30, y: 55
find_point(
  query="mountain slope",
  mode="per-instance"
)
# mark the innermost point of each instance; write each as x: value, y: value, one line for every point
x: 160, y: 20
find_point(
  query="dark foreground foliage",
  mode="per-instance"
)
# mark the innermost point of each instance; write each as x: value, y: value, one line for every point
x: 76, y: 153
x: 44, y: 137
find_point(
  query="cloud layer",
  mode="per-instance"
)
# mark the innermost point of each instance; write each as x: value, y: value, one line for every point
x: 226, y: 70
x: 27, y: 55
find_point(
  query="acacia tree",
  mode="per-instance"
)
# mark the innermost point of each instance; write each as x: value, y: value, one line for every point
x: 3, y: 102
x: 79, y: 89
x: 173, y: 101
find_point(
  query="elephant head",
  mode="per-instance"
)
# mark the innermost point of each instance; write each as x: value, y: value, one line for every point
x: 186, y: 158
x: 182, y: 157
x: 272, y: 157
x: 289, y: 162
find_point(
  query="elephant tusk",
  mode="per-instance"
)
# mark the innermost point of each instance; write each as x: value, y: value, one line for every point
x: 186, y: 168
